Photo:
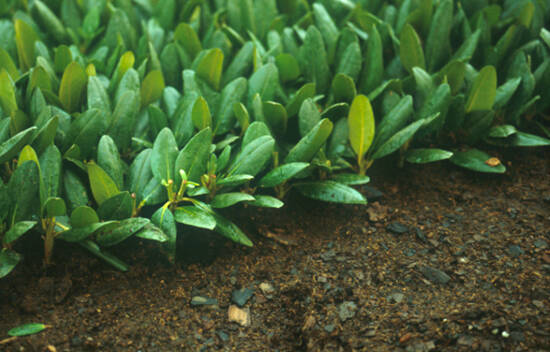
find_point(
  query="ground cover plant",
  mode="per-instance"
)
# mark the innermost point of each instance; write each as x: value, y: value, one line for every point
x: 123, y: 118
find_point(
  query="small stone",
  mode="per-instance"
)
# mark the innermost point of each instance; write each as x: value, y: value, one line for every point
x: 435, y: 275
x: 328, y: 255
x: 498, y: 323
x: 397, y: 228
x: 396, y: 297
x: 309, y: 323
x: 240, y: 297
x: 409, y: 252
x: 515, y: 250
x: 266, y: 288
x: 538, y: 304
x: 322, y: 279
x: 517, y: 336
x: 540, y: 244
x: 465, y: 340
x: 370, y: 333
x: 76, y: 341
x: 329, y: 328
x: 238, y: 315
x: 347, y: 310
x: 505, y: 334
x: 203, y: 301
x: 223, y: 336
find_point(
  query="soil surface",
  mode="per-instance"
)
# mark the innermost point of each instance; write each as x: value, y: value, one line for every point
x: 444, y: 260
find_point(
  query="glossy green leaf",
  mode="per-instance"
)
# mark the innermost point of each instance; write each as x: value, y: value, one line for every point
x: 8, y: 261
x: 343, y: 88
x: 17, y: 230
x: 438, y: 40
x: 253, y: 157
x: 8, y: 103
x: 45, y: 136
x: 186, y: 36
x: 351, y: 179
x: 397, y: 140
x: 118, y: 207
x: 7, y: 64
x: 427, y: 155
x: 201, y: 114
x: 394, y: 120
x: 152, y: 233
x: 193, y: 157
x: 24, y: 188
x: 194, y: 216
x: 231, y: 94
x: 240, y: 64
x: 109, y: 258
x: 411, y: 53
x: 228, y: 229
x: 476, y: 160
x: 282, y: 174
x: 27, y: 329
x: 522, y: 139
x: 264, y: 82
x: 276, y: 117
x: 225, y: 200
x: 234, y: 180
x: 151, y: 88
x: 75, y: 191
x: 308, y: 116
x: 25, y: 37
x: 502, y: 131
x: 49, y: 21
x: 55, y: 206
x: 295, y: 103
x: 328, y: 29
x: 288, y: 66
x: 73, y: 84
x: 140, y: 173
x: 311, y: 143
x: 210, y: 67
x: 483, y: 92
x: 373, y: 66
x: 505, y: 92
x: 314, y: 59
x: 164, y: 219
x: 120, y: 231
x: 350, y: 62
x: 163, y: 157
x: 123, y: 119
x: 13, y: 146
x: 330, y: 191
x: 83, y: 216
x: 108, y: 158
x: 102, y: 185
x: 361, y: 126
x: 97, y: 95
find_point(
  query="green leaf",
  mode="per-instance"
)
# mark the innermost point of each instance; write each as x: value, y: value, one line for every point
x: 194, y: 216
x: 361, y: 126
x: 231, y: 95
x: 410, y: 50
x: 476, y: 160
x: 121, y: 231
x: 81, y: 233
x: 545, y: 36
x: 314, y: 59
x: 13, y: 146
x: 210, y: 67
x: 282, y: 174
x: 234, y: 180
x: 123, y: 119
x: 73, y: 84
x: 351, y: 179
x: 118, y: 207
x: 266, y: 202
x: 240, y: 64
x: 48, y: 21
x: 394, y: 120
x: 152, y: 233
x: 194, y: 156
x: 8, y: 260
x: 483, y: 91
x: 27, y: 329
x: 228, y: 229
x: 276, y: 117
x: 86, y: 130
x: 109, y: 258
x: 288, y: 66
x: 343, y: 88
x: 502, y: 131
x: 310, y: 144
x: 24, y: 188
x: 186, y: 36
x: 50, y: 165
x: 8, y: 103
x: 108, y: 159
x: 295, y: 103
x: 350, y: 62
x: 25, y: 37
x: 264, y: 82
x: 55, y: 206
x: 328, y: 29
x: 308, y: 116
x: 164, y: 219
x: 17, y: 230
x: 97, y: 95
x: 140, y: 174
x: 201, y: 114
x: 163, y: 157
x: 75, y: 191
x: 397, y: 140
x: 102, y: 185
x: 253, y: 156
x: 7, y: 64
x: 427, y: 155
x: 225, y: 200
x: 522, y: 139
x: 83, y: 216
x: 505, y: 92
x: 373, y: 67
x: 330, y: 191
x: 438, y: 41
x: 151, y: 88
x: 46, y: 135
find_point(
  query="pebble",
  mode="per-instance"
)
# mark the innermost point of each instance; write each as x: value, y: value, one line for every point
x: 347, y: 310
x: 266, y: 288
x: 409, y: 252
x: 240, y: 297
x: 465, y: 340
x: 238, y: 315
x: 515, y: 250
x: 540, y: 244
x: 517, y: 336
x: 397, y: 228
x: 538, y: 304
x: 328, y: 255
x: 223, y: 336
x: 203, y: 301
x: 421, y: 347
x: 329, y: 328
x: 396, y: 297
x: 435, y: 275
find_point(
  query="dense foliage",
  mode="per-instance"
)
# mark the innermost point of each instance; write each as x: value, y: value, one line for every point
x: 123, y: 118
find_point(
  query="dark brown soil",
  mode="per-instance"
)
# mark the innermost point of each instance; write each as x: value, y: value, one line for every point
x: 489, y: 234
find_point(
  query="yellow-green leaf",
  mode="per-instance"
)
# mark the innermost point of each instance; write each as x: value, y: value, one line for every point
x: 152, y: 87
x: 72, y: 86
x: 201, y: 114
x: 28, y: 154
x: 210, y: 67
x: 361, y: 126
x: 483, y: 91
x: 7, y: 64
x: 186, y: 36
x: 7, y: 94
x: 410, y: 50
x: 25, y: 37
x: 102, y: 185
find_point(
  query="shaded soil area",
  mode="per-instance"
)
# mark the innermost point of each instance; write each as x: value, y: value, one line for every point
x: 444, y: 260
